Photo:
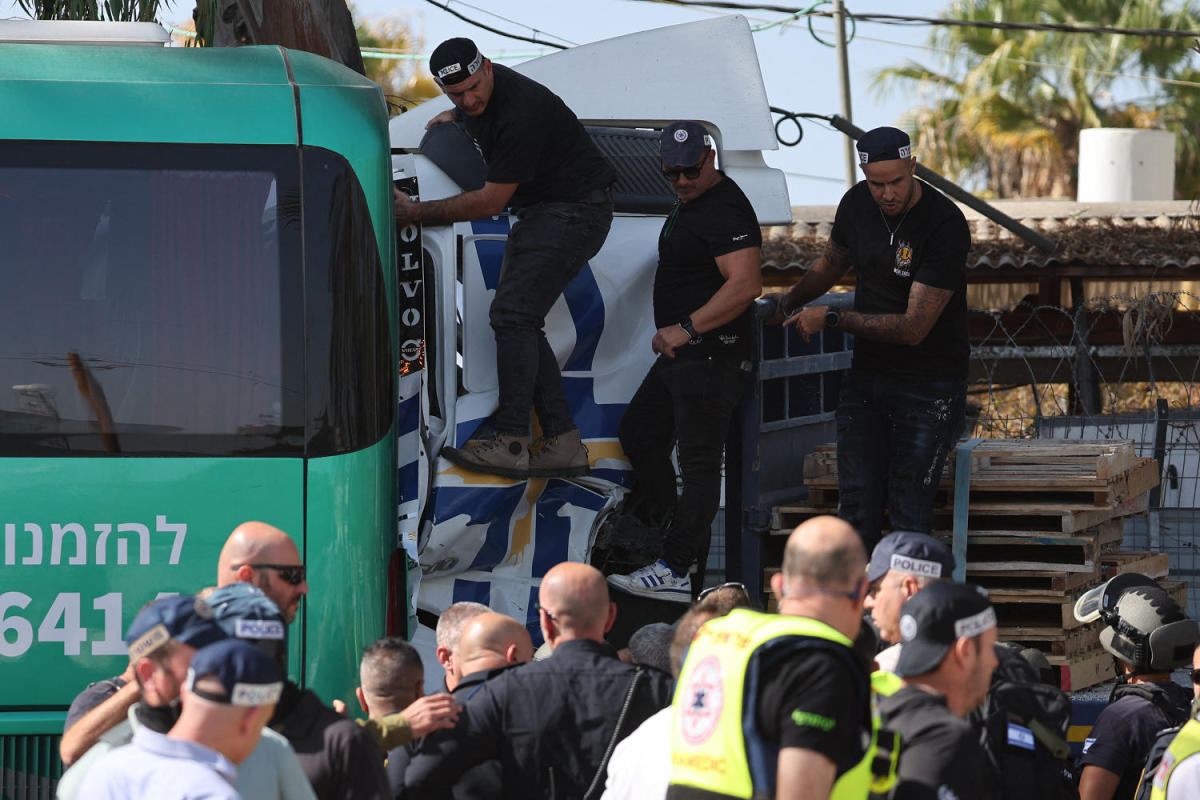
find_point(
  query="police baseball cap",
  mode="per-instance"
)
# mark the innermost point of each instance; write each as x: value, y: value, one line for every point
x: 182, y: 618
x: 455, y: 60
x: 244, y: 612
x: 883, y: 144
x: 914, y: 553
x: 682, y: 144
x: 933, y: 619
x: 248, y: 676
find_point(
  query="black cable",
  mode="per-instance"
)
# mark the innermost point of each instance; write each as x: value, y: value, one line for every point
x: 794, y: 117
x: 896, y: 19
x: 446, y: 7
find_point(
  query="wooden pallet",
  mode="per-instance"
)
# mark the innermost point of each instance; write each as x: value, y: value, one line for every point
x: 1152, y: 565
x: 1081, y: 671
x: 1047, y: 611
x: 1054, y: 640
x: 1035, y: 582
x: 1068, y: 482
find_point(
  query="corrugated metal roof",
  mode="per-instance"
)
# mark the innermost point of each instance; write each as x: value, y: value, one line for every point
x: 1095, y: 239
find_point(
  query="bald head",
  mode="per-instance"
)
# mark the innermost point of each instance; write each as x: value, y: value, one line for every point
x: 491, y: 641
x: 824, y: 552
x: 574, y: 600
x: 260, y: 554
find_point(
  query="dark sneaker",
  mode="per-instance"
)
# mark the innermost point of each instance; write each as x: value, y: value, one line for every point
x: 562, y: 456
x: 657, y: 581
x: 498, y: 454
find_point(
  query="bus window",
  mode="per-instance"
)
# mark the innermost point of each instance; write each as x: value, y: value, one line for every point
x: 144, y: 309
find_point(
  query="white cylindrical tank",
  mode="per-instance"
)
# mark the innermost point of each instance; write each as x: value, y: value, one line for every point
x: 1122, y: 164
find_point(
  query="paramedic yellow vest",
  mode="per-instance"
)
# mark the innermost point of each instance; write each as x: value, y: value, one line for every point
x: 709, y: 756
x: 1186, y: 743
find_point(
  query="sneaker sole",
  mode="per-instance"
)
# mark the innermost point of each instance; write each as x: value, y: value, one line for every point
x: 671, y: 596
x: 454, y: 456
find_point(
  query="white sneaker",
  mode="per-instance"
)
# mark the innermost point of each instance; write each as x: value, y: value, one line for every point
x: 657, y: 581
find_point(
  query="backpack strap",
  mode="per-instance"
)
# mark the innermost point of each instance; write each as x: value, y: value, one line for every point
x: 597, y: 779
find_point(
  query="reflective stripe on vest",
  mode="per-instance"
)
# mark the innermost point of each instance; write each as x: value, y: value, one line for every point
x: 709, y: 756
x: 1185, y: 744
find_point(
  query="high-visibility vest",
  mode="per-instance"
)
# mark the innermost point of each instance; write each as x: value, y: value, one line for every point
x: 716, y: 750
x: 1185, y: 744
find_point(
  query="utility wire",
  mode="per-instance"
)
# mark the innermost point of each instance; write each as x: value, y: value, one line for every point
x: 533, y: 40
x: 895, y: 19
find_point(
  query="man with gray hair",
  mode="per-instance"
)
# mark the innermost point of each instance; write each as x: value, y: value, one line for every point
x: 902, y: 564
x: 449, y: 631
x: 793, y: 677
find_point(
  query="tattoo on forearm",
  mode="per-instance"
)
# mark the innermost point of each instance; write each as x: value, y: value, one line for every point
x: 838, y: 257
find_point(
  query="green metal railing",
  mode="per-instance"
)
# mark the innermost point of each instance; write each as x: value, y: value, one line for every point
x: 29, y: 761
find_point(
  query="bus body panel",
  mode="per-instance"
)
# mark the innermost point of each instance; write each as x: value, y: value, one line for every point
x: 85, y: 543
x: 347, y: 582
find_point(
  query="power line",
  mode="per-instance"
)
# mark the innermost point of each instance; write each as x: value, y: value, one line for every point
x: 896, y: 19
x: 533, y: 40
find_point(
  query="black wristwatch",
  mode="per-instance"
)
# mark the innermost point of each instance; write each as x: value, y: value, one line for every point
x: 690, y: 330
x: 833, y: 318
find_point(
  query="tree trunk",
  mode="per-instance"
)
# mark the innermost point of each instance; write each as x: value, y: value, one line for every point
x: 323, y: 27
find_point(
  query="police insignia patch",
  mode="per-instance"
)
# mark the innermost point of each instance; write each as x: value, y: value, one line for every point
x: 904, y: 259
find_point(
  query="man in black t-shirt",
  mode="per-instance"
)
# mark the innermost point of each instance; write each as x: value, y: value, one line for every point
x: 902, y: 404
x: 542, y: 164
x: 708, y: 276
x: 949, y: 653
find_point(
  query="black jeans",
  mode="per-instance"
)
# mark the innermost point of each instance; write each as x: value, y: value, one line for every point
x: 892, y: 440
x: 547, y: 247
x: 689, y: 402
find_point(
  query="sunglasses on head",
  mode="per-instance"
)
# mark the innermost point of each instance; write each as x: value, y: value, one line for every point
x: 288, y: 573
x: 741, y: 587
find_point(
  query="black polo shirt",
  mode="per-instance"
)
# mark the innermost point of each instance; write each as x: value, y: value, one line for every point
x: 928, y: 246
x: 718, y: 222
x: 528, y: 136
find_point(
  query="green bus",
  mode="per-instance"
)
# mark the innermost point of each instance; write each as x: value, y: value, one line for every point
x: 196, y: 329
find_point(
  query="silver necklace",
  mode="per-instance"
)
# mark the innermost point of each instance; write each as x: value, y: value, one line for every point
x: 892, y: 231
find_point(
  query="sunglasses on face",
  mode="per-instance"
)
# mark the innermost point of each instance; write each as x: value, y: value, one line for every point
x: 691, y: 173
x: 288, y: 573
x: 1196, y: 676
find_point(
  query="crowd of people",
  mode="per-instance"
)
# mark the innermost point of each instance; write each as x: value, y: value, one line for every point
x: 726, y: 701
x: 876, y: 676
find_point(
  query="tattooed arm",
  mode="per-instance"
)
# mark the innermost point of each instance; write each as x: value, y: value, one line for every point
x: 827, y: 270
x: 925, y: 304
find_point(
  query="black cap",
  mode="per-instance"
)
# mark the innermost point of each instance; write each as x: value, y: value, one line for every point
x: 914, y: 553
x: 455, y: 60
x: 182, y: 618
x: 248, y: 676
x: 883, y: 144
x: 933, y: 619
x: 682, y: 144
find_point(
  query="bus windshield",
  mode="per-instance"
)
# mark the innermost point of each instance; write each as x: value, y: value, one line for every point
x: 146, y: 306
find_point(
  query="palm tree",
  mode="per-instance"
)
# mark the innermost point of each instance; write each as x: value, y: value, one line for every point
x: 1005, y: 112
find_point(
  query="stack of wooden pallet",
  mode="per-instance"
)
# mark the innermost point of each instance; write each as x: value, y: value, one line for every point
x: 1045, y: 520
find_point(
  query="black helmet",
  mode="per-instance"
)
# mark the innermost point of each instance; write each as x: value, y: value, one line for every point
x: 1145, y: 627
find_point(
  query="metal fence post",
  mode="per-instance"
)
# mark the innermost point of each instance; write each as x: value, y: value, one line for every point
x: 744, y: 528
x: 1161, y: 413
